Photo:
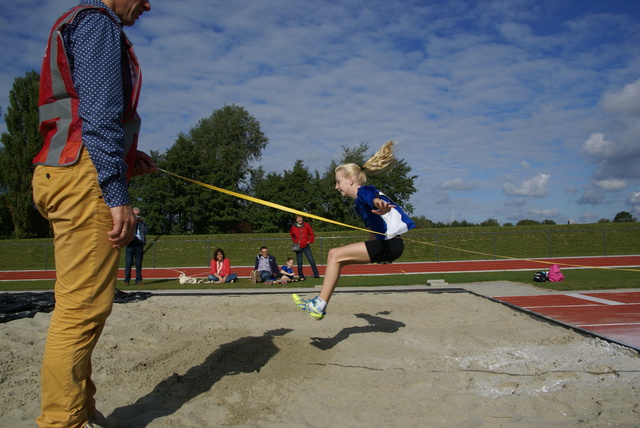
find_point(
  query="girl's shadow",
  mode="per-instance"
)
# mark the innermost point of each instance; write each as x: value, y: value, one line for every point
x: 245, y: 355
x: 376, y: 325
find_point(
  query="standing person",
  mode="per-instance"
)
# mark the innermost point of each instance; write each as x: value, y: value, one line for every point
x: 302, y: 234
x: 221, y: 268
x: 135, y: 249
x: 265, y: 267
x: 379, y: 214
x: 89, y: 87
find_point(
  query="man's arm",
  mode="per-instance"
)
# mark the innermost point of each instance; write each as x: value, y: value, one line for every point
x: 95, y: 47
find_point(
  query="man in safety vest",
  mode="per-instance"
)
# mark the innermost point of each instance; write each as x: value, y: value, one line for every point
x: 89, y: 88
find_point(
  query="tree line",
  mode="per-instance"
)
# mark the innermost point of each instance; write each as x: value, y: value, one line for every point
x: 221, y: 150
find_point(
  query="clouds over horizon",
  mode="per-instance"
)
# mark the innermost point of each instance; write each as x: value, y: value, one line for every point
x: 497, y: 107
x: 617, y: 159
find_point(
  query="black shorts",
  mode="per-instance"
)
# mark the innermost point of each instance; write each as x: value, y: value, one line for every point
x: 384, y: 250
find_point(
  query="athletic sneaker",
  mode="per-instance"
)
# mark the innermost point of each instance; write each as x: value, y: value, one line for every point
x: 309, y: 306
x: 98, y: 420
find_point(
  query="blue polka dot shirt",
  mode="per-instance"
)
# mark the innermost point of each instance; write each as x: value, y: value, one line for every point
x: 99, y: 64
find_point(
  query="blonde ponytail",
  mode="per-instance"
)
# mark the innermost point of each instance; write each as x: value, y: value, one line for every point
x: 382, y: 160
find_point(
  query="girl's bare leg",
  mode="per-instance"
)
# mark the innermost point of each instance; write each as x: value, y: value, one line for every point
x: 338, y: 257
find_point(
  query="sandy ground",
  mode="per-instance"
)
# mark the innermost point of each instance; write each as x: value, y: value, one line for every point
x: 402, y: 359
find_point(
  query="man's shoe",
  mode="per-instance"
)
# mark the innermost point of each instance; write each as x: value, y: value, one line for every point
x: 98, y: 420
x: 309, y: 306
x: 140, y: 283
x: 253, y: 275
x: 126, y: 283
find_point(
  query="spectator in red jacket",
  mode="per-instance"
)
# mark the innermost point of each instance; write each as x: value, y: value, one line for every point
x: 302, y: 234
x: 221, y: 268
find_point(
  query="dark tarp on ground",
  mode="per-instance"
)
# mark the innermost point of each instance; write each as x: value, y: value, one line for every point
x: 14, y: 306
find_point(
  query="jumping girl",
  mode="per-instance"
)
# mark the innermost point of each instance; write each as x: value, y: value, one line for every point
x: 379, y: 214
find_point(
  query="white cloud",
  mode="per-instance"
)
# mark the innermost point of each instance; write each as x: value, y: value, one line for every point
x: 617, y: 155
x: 591, y: 196
x: 598, y: 147
x: 612, y: 185
x: 537, y: 186
x: 458, y: 184
x: 634, y: 201
x: 626, y: 101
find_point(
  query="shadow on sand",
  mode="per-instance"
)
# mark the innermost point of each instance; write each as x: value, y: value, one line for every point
x: 376, y: 325
x: 245, y: 355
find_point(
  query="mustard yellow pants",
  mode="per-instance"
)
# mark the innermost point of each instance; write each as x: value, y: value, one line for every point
x: 86, y: 269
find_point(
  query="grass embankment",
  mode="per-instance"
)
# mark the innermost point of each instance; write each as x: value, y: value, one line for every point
x: 475, y: 243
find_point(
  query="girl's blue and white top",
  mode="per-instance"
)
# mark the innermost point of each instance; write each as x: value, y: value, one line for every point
x: 392, y: 224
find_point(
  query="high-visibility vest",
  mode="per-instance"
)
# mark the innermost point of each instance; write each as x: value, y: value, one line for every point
x: 60, y: 124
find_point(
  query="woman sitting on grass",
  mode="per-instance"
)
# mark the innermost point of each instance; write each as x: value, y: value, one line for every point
x: 221, y: 268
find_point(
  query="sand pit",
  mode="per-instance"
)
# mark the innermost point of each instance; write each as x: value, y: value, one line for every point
x: 406, y: 359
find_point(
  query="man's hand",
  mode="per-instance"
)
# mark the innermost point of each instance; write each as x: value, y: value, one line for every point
x: 144, y: 165
x: 124, y: 225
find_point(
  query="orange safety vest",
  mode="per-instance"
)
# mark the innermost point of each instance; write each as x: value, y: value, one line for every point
x: 60, y: 124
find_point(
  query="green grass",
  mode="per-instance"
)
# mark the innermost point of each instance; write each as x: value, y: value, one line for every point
x: 575, y: 279
x: 471, y: 243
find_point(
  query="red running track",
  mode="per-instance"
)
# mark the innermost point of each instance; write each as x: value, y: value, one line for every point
x: 614, y: 316
x: 376, y: 269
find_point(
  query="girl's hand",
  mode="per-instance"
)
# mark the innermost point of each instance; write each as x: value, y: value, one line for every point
x: 382, y: 207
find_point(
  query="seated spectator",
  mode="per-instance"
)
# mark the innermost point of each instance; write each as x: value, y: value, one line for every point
x: 221, y: 268
x: 266, y: 268
x: 287, y: 272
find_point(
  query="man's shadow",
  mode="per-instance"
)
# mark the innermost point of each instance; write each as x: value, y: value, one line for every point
x: 376, y: 325
x: 245, y: 355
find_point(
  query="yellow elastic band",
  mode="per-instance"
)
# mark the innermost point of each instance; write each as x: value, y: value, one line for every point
x: 304, y: 214
x: 269, y: 204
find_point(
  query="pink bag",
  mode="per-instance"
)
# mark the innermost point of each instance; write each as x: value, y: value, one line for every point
x: 555, y: 275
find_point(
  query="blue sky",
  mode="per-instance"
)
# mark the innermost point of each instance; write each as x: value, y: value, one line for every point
x: 505, y: 109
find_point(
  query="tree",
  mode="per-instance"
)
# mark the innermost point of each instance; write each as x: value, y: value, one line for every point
x: 527, y: 222
x: 624, y: 217
x: 297, y: 189
x: 6, y: 224
x: 422, y: 222
x: 217, y: 151
x: 22, y: 141
x: 490, y: 222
